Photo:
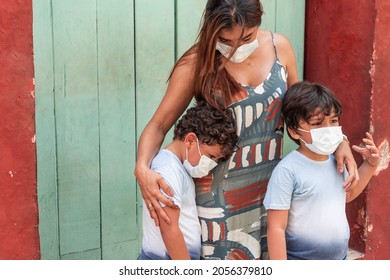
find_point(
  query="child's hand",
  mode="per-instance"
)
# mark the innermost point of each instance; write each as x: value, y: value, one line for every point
x: 369, y: 151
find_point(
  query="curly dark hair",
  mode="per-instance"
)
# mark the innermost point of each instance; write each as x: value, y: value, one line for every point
x: 210, y: 125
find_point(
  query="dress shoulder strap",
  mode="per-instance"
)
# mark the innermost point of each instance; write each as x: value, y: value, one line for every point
x: 273, y: 41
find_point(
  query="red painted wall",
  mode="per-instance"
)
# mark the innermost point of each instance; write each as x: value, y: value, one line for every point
x: 378, y: 196
x: 346, y: 48
x: 18, y: 191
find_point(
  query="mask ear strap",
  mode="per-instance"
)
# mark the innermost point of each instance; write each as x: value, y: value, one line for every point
x: 300, y: 138
x: 198, y: 146
x: 308, y: 131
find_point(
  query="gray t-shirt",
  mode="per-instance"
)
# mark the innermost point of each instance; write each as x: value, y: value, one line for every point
x: 312, y: 192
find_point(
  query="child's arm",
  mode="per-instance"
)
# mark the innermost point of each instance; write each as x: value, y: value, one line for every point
x: 172, y: 235
x: 371, y: 157
x: 276, y: 234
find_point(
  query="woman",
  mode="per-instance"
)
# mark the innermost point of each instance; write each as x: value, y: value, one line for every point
x: 233, y: 65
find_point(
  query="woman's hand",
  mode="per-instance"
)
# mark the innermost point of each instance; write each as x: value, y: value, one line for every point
x: 150, y: 183
x: 344, y: 156
x: 369, y: 151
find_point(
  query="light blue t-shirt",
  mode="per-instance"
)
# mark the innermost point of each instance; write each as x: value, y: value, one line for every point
x: 312, y: 191
x: 168, y: 165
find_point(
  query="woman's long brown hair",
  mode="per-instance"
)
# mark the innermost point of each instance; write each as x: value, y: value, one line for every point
x: 211, y: 81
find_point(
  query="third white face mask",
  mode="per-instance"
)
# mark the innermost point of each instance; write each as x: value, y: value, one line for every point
x: 242, y: 52
x: 203, y: 168
x: 325, y: 140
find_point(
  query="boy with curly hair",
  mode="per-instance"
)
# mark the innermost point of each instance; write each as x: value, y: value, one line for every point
x: 202, y: 137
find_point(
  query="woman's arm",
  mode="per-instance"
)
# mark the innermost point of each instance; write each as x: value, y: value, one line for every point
x: 173, y: 237
x: 276, y: 234
x: 343, y: 156
x: 371, y: 155
x: 176, y: 99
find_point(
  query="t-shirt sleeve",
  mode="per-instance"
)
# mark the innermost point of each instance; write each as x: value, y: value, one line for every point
x: 280, y: 189
x: 175, y: 181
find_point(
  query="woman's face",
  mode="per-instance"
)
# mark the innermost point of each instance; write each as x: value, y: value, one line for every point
x: 231, y: 37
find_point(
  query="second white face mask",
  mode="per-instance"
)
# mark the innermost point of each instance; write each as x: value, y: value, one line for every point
x: 203, y: 168
x: 242, y: 52
x: 325, y: 140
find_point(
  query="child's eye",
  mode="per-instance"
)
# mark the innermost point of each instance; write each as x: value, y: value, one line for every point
x: 246, y: 39
x: 214, y: 158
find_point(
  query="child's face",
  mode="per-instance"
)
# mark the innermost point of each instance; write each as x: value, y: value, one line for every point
x: 317, y: 121
x: 326, y: 143
x: 211, y: 151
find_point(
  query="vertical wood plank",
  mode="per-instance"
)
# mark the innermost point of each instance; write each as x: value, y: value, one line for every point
x: 187, y: 24
x: 45, y: 130
x: 155, y: 56
x: 188, y: 20
x: 268, y: 21
x: 117, y: 127
x: 290, y: 21
x: 76, y: 105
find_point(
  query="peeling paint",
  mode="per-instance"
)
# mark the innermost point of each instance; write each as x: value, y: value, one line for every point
x: 363, y: 221
x: 361, y: 218
x: 372, y: 64
x: 370, y: 227
x: 385, y: 158
x: 11, y: 174
x: 32, y: 94
x: 33, y: 139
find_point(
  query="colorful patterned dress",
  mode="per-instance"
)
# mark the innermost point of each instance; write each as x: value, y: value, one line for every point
x: 230, y: 200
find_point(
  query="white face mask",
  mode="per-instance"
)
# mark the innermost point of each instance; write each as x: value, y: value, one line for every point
x: 241, y: 53
x: 325, y: 140
x: 203, y: 168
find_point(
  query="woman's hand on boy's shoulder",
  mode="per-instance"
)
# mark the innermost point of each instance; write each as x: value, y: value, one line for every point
x: 343, y: 156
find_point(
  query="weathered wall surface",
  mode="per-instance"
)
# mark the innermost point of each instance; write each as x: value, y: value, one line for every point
x: 346, y: 48
x: 18, y: 202
x: 378, y: 196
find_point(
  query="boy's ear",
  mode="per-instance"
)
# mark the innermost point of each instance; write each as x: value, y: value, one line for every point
x: 293, y: 133
x: 190, y: 139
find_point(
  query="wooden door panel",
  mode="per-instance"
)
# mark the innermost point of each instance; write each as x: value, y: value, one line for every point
x: 101, y: 69
x: 76, y: 102
x: 117, y: 129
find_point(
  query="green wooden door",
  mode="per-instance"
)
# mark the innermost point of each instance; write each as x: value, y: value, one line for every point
x: 100, y: 71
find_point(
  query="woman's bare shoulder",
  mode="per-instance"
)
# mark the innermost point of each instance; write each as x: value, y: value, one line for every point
x: 287, y: 56
x: 282, y: 41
